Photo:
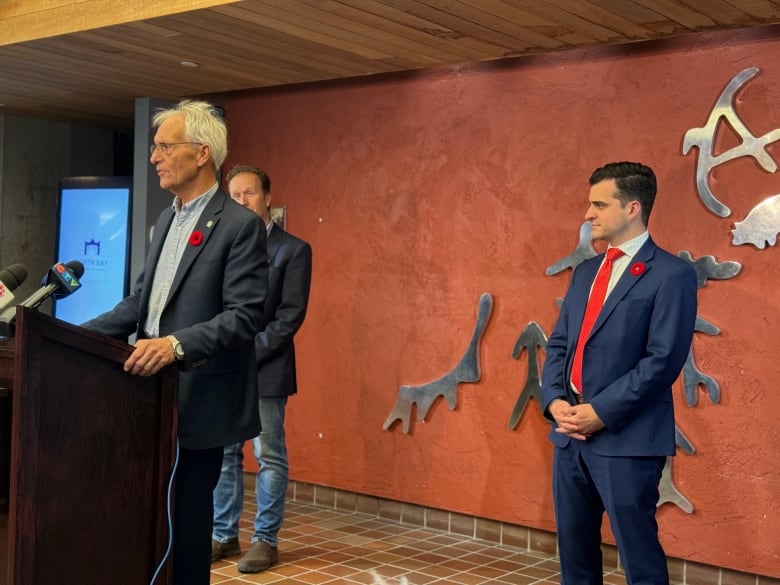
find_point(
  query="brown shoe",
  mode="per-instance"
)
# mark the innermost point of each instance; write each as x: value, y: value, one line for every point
x: 259, y: 557
x: 220, y: 550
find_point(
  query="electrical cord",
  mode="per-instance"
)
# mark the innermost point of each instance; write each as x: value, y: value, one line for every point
x: 170, y: 519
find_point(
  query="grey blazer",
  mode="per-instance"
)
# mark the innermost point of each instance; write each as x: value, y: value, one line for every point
x: 215, y: 309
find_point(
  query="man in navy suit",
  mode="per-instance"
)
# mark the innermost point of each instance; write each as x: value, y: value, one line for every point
x: 289, y: 281
x: 611, y: 405
x: 198, y: 303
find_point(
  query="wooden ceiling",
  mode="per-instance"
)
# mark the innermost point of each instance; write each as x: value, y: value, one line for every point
x: 88, y: 60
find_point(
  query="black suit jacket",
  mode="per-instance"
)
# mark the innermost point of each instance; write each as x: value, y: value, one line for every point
x: 214, y: 308
x: 289, y: 282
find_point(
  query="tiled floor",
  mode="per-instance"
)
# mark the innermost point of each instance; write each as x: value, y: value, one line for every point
x: 323, y: 545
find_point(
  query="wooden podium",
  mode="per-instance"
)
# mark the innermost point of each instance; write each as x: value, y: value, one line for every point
x: 92, y: 449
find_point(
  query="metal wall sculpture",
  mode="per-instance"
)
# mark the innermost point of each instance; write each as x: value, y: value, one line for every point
x: 533, y: 340
x: 760, y: 227
x: 762, y: 223
x: 467, y: 371
x: 706, y: 268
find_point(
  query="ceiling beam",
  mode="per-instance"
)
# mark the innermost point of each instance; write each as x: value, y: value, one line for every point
x: 27, y: 20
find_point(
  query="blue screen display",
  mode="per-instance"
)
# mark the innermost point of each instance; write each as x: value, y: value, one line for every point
x: 94, y: 228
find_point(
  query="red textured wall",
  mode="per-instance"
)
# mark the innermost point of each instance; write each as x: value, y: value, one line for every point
x: 419, y: 193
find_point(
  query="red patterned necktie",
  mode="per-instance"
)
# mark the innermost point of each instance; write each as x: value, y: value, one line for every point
x: 592, y: 311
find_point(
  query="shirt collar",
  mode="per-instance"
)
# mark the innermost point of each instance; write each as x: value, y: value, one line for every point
x: 196, y: 204
x: 631, y: 247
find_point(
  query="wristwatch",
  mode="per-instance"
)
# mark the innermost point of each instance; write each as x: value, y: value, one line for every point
x: 178, y: 352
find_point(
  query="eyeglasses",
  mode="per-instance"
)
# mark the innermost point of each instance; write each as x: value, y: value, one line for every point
x: 167, y: 147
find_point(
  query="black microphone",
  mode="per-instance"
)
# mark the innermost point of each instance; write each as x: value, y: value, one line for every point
x: 61, y: 281
x: 10, y: 278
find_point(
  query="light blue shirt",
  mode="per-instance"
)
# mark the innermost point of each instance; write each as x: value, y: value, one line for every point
x: 185, y: 219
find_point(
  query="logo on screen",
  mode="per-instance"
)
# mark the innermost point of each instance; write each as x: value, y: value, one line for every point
x: 92, y: 244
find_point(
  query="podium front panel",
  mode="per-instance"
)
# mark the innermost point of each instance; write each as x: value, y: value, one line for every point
x: 91, y: 457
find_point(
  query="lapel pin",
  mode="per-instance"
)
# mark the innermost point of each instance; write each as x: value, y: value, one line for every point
x: 209, y: 223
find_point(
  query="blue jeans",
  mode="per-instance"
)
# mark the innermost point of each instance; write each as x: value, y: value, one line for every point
x: 271, y: 486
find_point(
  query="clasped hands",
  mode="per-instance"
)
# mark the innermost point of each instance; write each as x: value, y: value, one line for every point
x: 579, y: 422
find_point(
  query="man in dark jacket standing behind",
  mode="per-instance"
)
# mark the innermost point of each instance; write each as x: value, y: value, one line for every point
x: 289, y: 283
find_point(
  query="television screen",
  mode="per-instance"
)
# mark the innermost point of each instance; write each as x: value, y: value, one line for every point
x: 93, y: 227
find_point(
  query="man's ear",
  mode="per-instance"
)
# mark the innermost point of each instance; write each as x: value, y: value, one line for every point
x: 634, y: 209
x: 204, y: 156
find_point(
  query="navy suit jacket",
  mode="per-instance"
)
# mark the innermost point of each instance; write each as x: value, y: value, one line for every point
x: 215, y: 309
x: 635, y: 352
x: 289, y: 282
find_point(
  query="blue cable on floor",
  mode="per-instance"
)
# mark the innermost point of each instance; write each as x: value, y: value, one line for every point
x: 170, y: 520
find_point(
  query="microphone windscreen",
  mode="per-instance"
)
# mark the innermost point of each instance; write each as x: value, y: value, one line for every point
x: 76, y: 267
x: 13, y: 276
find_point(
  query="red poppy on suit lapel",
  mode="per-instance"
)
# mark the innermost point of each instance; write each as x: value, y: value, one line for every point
x: 196, y: 238
x: 637, y: 268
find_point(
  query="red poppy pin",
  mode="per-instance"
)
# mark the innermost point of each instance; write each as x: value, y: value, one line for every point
x: 637, y: 268
x: 196, y: 238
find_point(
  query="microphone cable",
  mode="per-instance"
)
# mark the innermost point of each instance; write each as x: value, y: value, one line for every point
x: 170, y: 519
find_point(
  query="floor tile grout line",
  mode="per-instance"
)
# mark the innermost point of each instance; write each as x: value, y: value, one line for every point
x: 306, y: 523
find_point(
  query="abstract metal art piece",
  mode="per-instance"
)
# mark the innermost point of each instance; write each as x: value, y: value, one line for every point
x: 706, y: 267
x: 704, y: 326
x: 704, y: 139
x: 760, y: 226
x: 532, y: 339
x: 667, y: 491
x: 467, y: 370
x: 682, y: 442
x: 693, y: 377
x: 582, y: 252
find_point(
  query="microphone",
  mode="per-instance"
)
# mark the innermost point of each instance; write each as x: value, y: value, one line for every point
x: 60, y: 281
x: 10, y: 278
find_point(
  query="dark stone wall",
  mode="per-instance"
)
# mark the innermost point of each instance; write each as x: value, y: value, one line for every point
x: 34, y: 156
